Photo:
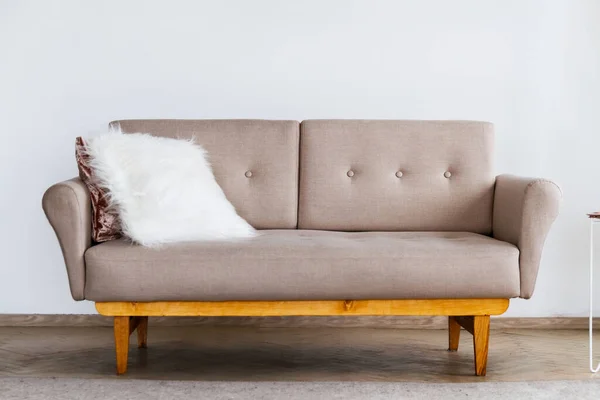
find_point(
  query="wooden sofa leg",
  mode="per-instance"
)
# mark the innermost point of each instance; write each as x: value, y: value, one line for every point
x: 453, y: 334
x: 142, y: 333
x: 122, y: 331
x: 481, y: 338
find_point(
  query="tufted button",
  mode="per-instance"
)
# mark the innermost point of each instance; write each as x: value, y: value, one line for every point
x: 350, y: 173
x: 248, y: 174
x: 447, y: 174
x: 399, y: 174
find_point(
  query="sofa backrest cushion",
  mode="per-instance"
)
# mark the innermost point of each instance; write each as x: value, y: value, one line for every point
x: 385, y: 175
x: 254, y: 161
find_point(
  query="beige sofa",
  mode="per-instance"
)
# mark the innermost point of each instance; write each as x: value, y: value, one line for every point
x: 358, y: 217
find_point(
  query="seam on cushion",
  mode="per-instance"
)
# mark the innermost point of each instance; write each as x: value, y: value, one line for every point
x: 542, y: 180
x: 298, y: 160
x: 289, y: 258
x: 491, y: 234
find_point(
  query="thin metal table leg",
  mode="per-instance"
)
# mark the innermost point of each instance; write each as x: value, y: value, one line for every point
x: 591, y: 320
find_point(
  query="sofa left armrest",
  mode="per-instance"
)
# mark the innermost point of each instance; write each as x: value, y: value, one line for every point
x: 69, y: 209
x: 524, y: 210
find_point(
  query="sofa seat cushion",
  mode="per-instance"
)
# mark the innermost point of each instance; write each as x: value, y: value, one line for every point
x: 307, y: 265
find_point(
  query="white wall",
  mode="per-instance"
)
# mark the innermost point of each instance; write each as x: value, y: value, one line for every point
x: 69, y: 67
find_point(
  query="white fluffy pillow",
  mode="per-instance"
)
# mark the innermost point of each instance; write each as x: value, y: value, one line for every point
x: 163, y: 189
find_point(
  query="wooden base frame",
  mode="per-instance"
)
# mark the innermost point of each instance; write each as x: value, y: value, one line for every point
x: 471, y: 314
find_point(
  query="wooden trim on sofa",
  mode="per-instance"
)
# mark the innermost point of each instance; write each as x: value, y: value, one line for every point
x: 444, y: 307
x: 469, y: 313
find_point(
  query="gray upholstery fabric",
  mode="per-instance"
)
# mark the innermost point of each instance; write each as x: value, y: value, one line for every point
x: 307, y: 265
x: 524, y: 210
x: 254, y: 161
x: 68, y: 208
x: 371, y: 175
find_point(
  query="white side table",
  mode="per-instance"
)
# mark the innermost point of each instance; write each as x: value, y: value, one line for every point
x: 594, y: 220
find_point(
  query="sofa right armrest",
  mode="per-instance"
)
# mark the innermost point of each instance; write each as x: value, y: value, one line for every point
x: 524, y: 210
x: 69, y: 210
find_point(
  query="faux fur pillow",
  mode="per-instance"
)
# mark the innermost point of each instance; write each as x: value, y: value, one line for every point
x: 163, y: 189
